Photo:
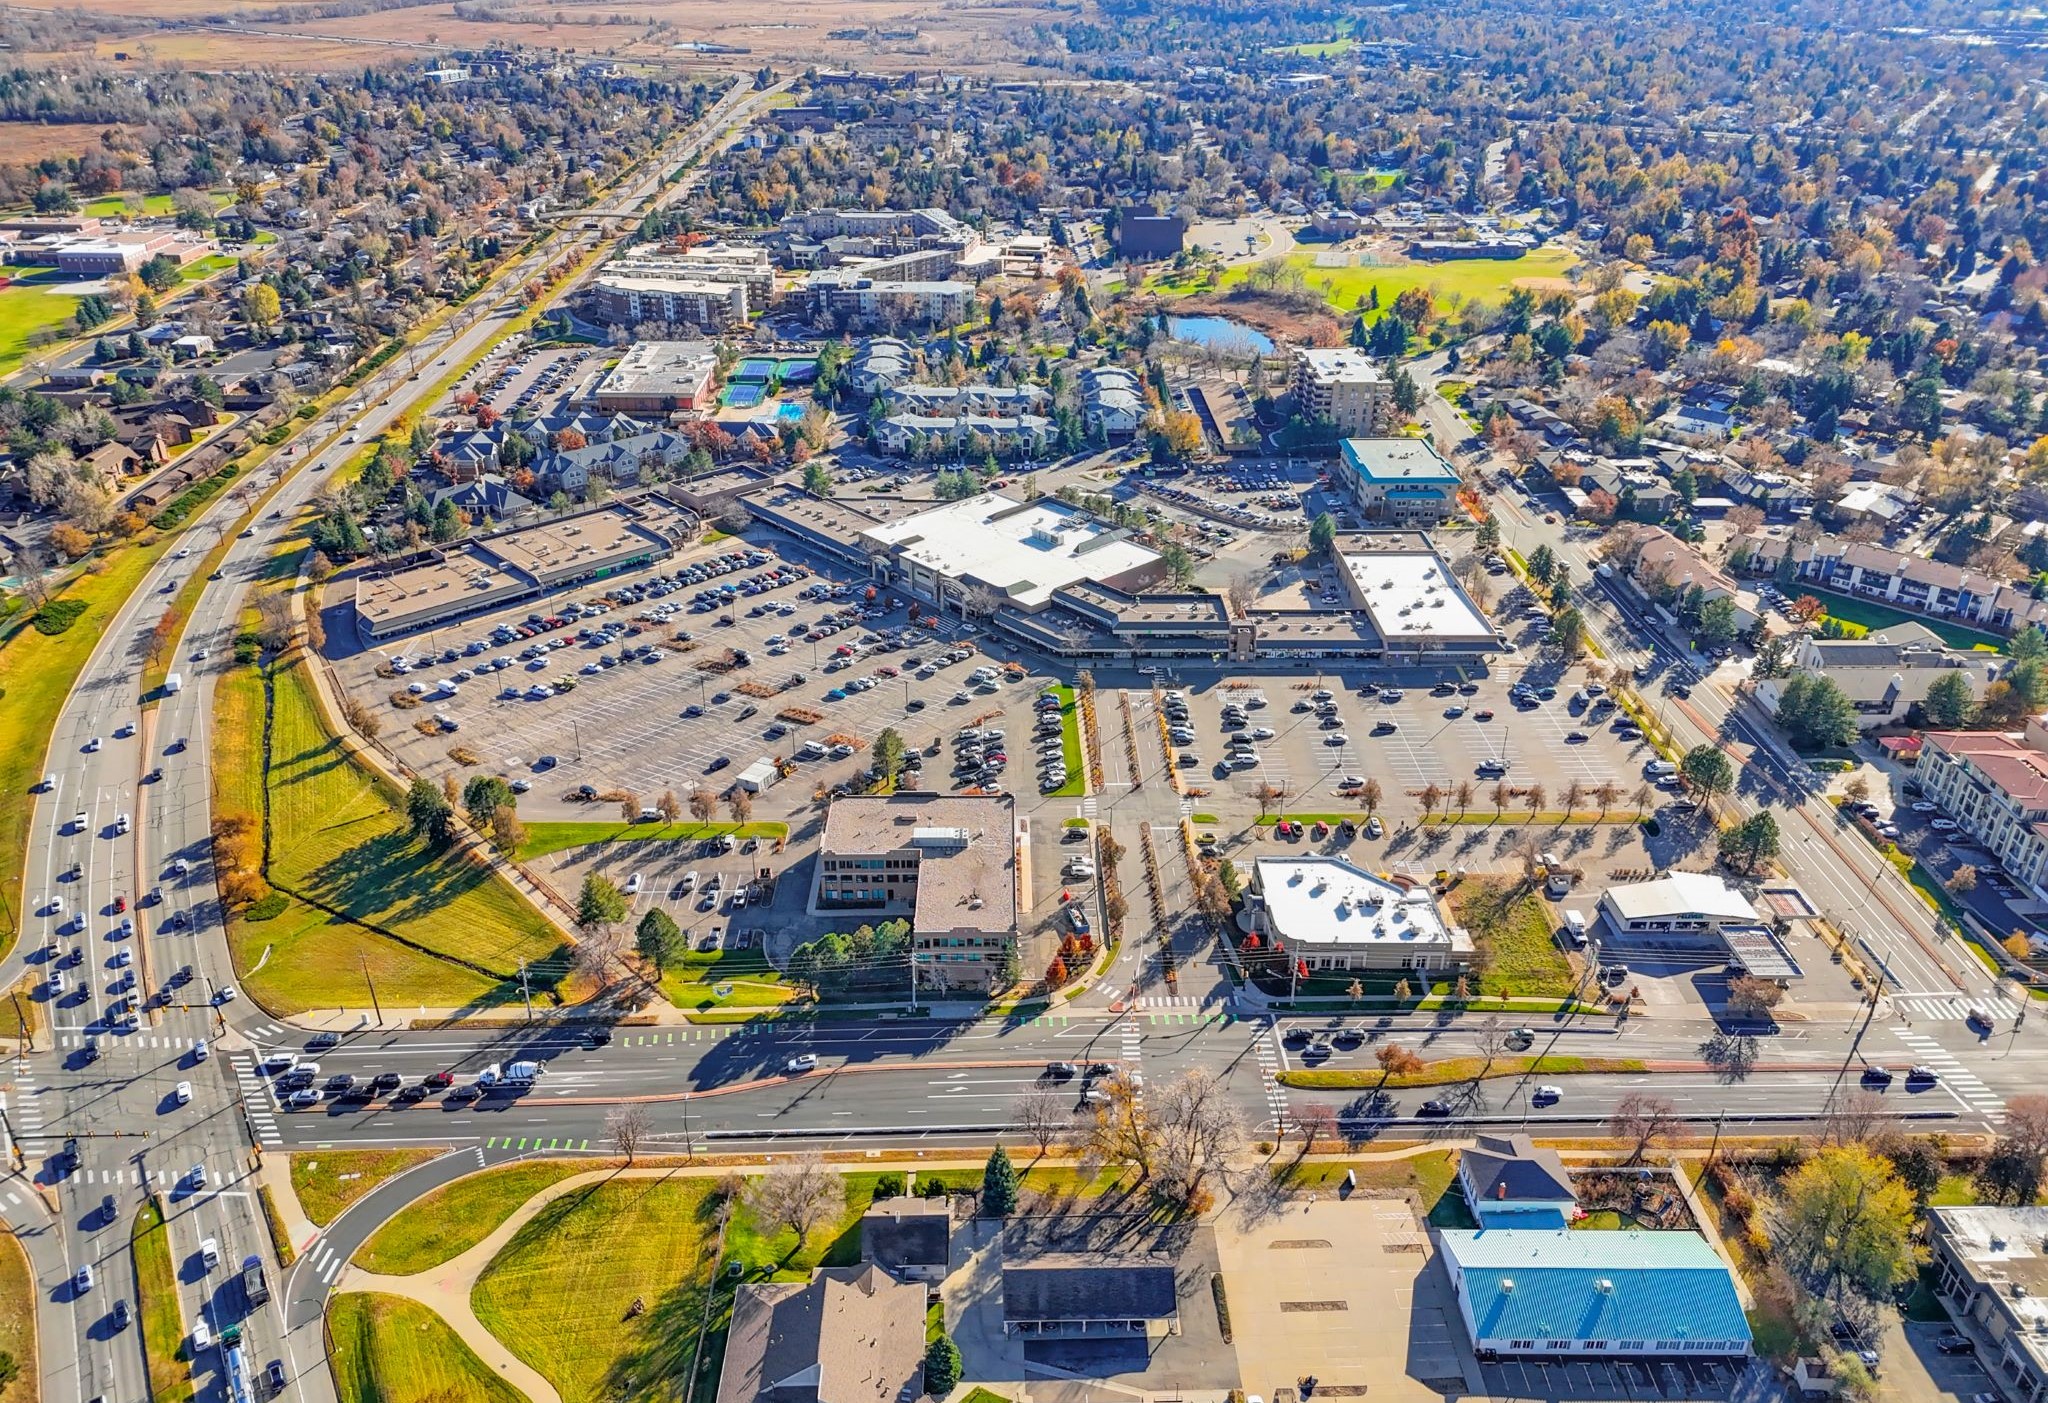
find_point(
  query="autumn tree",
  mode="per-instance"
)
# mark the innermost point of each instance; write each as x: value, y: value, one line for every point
x: 1642, y: 1119
x: 799, y: 1194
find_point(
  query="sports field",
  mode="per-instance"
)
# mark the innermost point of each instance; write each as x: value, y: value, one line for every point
x: 1487, y: 280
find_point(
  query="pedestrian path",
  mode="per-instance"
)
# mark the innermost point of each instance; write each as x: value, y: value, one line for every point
x: 534, y: 1142
x: 1956, y: 1008
x: 1266, y: 1047
x: 24, y: 1110
x: 1965, y: 1084
x: 258, y: 1098
x: 1133, y: 1038
x: 325, y: 1263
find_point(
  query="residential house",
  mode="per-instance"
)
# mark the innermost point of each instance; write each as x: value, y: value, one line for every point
x: 1666, y: 569
x: 881, y: 363
x: 1511, y: 1182
x: 1887, y: 673
x: 1113, y: 402
x: 910, y: 1238
x: 1005, y: 437
x: 848, y: 1335
x: 485, y: 498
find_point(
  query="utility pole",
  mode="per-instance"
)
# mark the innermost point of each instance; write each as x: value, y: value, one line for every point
x: 688, y: 1148
x: 377, y: 1007
x: 526, y: 991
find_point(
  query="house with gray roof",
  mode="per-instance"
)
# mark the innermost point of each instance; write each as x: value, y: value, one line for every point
x: 1074, y: 1296
x: 1511, y: 1182
x: 911, y: 1238
x: 848, y: 1335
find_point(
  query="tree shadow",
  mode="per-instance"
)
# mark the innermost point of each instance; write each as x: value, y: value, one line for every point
x: 1732, y: 1055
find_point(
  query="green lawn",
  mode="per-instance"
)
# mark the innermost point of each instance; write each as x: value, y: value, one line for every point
x: 388, y: 1349
x: 1481, y: 279
x: 163, y: 1321
x: 543, y: 839
x: 558, y: 1295
x: 117, y: 206
x: 1070, y: 744
x: 27, y: 306
x: 751, y: 982
x: 1328, y: 48
x: 328, y: 1181
x: 18, y: 1321
x: 447, y: 931
x: 1517, y: 945
x: 37, y: 671
x: 1430, y: 1179
x: 456, y: 1217
x: 1873, y: 616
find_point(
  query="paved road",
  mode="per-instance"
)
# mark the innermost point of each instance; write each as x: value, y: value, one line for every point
x: 160, y: 1106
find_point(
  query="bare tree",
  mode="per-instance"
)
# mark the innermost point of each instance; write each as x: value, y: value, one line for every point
x: 1198, y: 1128
x: 1370, y: 793
x: 1857, y: 1117
x: 1492, y: 1041
x: 799, y: 1194
x: 626, y: 1126
x: 1241, y: 591
x: 629, y: 807
x: 1642, y: 1119
x: 741, y: 803
x: 1314, y: 1122
x: 670, y: 807
x: 600, y: 953
x: 1043, y: 1115
x: 273, y: 620
x: 360, y: 718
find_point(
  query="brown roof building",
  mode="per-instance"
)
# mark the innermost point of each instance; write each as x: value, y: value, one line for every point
x: 945, y: 863
x: 848, y: 1335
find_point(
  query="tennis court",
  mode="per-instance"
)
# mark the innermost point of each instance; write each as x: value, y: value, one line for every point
x: 743, y: 396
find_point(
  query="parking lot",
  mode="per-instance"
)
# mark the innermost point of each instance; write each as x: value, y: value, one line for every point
x: 1611, y: 1379
x: 531, y: 383
x: 1408, y: 737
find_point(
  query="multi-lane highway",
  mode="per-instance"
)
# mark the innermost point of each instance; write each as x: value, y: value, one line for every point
x: 122, y: 909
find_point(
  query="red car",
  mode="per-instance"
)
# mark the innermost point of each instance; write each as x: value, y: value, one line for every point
x: 440, y: 1079
x: 120, y: 903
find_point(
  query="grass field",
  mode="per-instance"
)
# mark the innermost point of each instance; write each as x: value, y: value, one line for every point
x: 456, y: 1217
x: 1517, y: 946
x: 754, y: 982
x: 328, y: 1181
x: 1481, y: 279
x: 388, y: 1349
x: 20, y: 1015
x: 37, y: 671
x: 1870, y: 616
x: 544, y: 839
x: 163, y: 1321
x: 1429, y: 1179
x: 1070, y: 744
x: 339, y: 840
x: 18, y: 1321
x: 559, y: 1292
x: 27, y: 306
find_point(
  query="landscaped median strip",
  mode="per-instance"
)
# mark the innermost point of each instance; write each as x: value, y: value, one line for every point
x: 163, y: 1322
x: 1453, y: 1070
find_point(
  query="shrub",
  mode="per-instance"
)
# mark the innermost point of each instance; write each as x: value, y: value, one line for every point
x: 889, y: 1186
x: 267, y: 908
x: 58, y: 615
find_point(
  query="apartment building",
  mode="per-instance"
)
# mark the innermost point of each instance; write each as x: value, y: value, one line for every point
x: 1403, y: 481
x: 1345, y: 388
x: 855, y: 298
x: 1996, y: 787
x: 1914, y: 583
x: 629, y: 301
x: 746, y: 264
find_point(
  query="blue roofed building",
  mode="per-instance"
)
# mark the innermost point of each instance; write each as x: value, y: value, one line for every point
x: 1403, y: 481
x: 1551, y: 1293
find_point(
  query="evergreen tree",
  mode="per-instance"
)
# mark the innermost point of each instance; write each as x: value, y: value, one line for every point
x: 999, y: 1184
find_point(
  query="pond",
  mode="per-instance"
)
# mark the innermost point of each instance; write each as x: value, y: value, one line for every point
x: 1220, y: 332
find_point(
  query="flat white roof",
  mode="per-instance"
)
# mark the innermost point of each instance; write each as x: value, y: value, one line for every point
x: 1326, y: 902
x: 1339, y: 363
x: 1411, y: 596
x: 1026, y: 552
x: 1679, y: 894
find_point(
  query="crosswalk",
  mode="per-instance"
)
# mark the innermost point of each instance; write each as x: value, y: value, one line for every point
x: 324, y: 1262
x: 24, y: 1109
x: 534, y: 1142
x: 259, y: 1098
x: 1133, y: 1049
x: 1266, y: 1047
x: 1953, y: 1008
x: 1960, y: 1080
x: 73, y: 1041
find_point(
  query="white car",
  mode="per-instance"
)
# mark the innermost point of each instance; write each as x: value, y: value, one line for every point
x: 305, y: 1096
x: 225, y: 994
x: 1336, y: 738
x: 92, y: 745
x: 182, y: 1093
x: 802, y: 1062
x: 1547, y: 1096
x: 1943, y: 825
x: 199, y: 1049
x: 280, y: 1062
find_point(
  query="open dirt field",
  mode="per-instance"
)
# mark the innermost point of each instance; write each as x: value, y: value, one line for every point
x: 868, y: 34
x: 32, y: 141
